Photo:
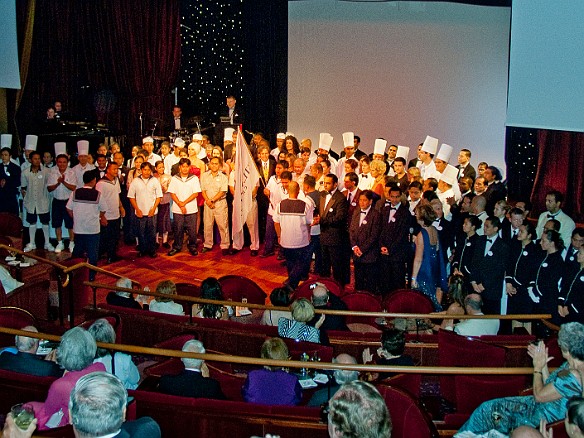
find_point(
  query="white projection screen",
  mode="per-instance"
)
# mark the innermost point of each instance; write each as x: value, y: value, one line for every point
x: 546, y: 74
x: 401, y: 71
x: 9, y: 72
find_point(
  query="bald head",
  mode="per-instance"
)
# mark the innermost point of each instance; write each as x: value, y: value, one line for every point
x: 25, y: 344
x: 320, y: 295
x: 344, y: 376
x: 293, y: 189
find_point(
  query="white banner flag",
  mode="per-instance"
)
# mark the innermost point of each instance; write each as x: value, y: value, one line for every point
x: 246, y: 178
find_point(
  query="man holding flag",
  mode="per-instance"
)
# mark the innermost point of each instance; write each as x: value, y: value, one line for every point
x: 243, y: 184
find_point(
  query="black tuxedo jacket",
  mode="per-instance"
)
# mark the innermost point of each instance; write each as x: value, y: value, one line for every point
x: 333, y: 219
x: 447, y: 234
x: 366, y: 236
x: 489, y: 270
x: 238, y: 115
x: 271, y: 172
x: 468, y: 171
x: 494, y: 193
x: 506, y: 233
x: 12, y: 181
x: 144, y: 427
x: 463, y: 254
x: 353, y: 205
x: 395, y: 235
x: 28, y: 363
x: 191, y: 384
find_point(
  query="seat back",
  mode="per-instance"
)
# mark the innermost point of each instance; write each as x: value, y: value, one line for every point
x: 459, y: 351
x: 305, y: 291
x: 113, y: 319
x: 362, y: 301
x: 10, y: 225
x: 407, y: 301
x: 236, y: 287
x: 15, y: 318
x: 407, y: 418
x: 407, y: 382
x: 188, y: 289
x: 473, y: 390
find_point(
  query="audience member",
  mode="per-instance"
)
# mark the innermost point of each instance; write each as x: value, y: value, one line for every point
x: 123, y: 299
x: 272, y: 385
x: 194, y: 380
x: 297, y: 327
x: 166, y: 305
x: 391, y: 352
x: 26, y: 360
x: 358, y: 410
x: 340, y: 378
x: 211, y: 290
x: 279, y: 298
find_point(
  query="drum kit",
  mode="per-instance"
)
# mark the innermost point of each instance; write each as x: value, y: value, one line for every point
x: 193, y: 125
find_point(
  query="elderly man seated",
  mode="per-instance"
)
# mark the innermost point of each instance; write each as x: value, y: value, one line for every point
x: 97, y: 408
x: 323, y: 299
x: 26, y: 360
x: 194, y: 381
x: 341, y: 377
x: 475, y: 327
x: 123, y: 299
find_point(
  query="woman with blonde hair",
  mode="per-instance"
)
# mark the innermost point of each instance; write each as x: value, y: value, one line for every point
x: 297, y: 327
x: 378, y: 169
x: 272, y: 385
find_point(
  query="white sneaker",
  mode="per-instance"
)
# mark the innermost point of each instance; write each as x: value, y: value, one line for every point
x: 29, y: 247
x: 71, y: 246
x: 49, y: 247
x: 60, y: 247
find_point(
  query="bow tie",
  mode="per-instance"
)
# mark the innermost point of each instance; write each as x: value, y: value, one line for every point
x: 552, y: 216
x: 490, y: 240
x: 393, y: 208
x: 364, y: 175
x: 363, y: 212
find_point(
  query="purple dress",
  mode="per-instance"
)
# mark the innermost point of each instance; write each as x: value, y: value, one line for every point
x: 272, y: 388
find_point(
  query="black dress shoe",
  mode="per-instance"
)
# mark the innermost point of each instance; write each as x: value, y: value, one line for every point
x: 194, y: 252
x: 205, y: 249
x: 153, y: 255
x: 166, y: 245
x: 172, y: 252
x: 225, y: 252
x: 253, y: 253
x: 280, y: 257
x: 234, y: 251
x: 267, y: 254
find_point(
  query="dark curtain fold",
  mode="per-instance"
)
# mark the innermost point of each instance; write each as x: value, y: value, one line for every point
x: 560, y: 167
x: 266, y: 68
x: 106, y: 60
x: 133, y: 51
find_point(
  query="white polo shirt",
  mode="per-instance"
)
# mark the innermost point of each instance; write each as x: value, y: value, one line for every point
x: 110, y: 193
x: 293, y: 217
x: 79, y: 171
x: 61, y: 193
x: 183, y: 188
x: 145, y: 192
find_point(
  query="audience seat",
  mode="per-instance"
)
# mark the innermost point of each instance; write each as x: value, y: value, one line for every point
x: 32, y: 297
x: 472, y: 390
x: 459, y: 351
x: 407, y: 418
x: 183, y: 416
x: 305, y: 291
x: 236, y: 287
x: 407, y: 301
x: 113, y: 319
x: 408, y: 382
x: 11, y: 227
x: 361, y: 301
x: 15, y: 318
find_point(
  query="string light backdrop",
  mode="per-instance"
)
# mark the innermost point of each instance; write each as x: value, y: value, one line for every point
x: 212, y: 56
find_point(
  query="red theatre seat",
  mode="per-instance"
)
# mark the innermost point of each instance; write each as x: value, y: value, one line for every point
x: 15, y: 318
x: 305, y: 291
x: 362, y: 301
x: 407, y: 418
x: 407, y: 301
x: 236, y: 287
x: 459, y: 351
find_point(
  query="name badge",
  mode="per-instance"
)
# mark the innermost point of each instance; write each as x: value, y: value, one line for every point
x: 330, y: 210
x: 525, y: 253
x: 544, y: 265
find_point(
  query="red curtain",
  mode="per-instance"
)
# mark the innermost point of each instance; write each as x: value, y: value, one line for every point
x: 560, y: 167
x: 105, y: 59
x: 133, y: 50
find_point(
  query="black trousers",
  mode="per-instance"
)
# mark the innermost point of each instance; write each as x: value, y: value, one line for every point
x: 109, y: 237
x: 338, y: 258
